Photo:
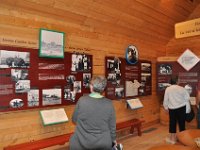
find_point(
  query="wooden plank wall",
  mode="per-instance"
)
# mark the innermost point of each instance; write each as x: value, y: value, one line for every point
x: 177, y: 46
x: 20, y: 28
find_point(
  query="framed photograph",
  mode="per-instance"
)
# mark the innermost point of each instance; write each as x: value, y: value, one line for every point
x: 51, y: 44
x: 132, y: 54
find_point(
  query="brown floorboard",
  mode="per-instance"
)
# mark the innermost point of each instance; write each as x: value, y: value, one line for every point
x: 152, y: 136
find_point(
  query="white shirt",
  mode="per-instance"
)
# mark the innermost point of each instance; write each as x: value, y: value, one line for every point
x: 176, y: 97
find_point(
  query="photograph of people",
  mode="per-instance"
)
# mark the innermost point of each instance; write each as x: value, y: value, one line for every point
x: 70, y: 79
x: 19, y: 74
x: 33, y: 98
x: 132, y: 54
x: 165, y: 69
x: 95, y: 120
x: 86, y: 79
x: 14, y: 59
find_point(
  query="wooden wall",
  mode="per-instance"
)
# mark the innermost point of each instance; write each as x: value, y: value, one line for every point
x: 176, y: 47
x: 21, y: 28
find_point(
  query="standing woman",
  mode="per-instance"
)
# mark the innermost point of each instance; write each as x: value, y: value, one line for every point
x: 95, y: 120
x: 176, y: 99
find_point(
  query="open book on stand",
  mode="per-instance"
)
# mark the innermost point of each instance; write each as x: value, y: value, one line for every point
x: 134, y: 103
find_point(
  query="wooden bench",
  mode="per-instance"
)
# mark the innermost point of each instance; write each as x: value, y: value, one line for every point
x: 134, y: 123
x: 62, y: 139
x: 44, y: 143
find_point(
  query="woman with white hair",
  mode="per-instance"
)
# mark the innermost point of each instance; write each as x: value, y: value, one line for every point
x: 95, y: 120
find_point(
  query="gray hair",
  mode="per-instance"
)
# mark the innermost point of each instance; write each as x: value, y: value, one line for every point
x: 99, y: 83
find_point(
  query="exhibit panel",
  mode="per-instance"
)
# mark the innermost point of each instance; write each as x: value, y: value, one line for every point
x: 188, y: 79
x: 127, y: 80
x: 29, y: 81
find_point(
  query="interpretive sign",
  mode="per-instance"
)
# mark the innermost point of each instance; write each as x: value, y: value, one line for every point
x: 187, y: 28
x: 134, y: 103
x: 28, y: 81
x: 53, y: 116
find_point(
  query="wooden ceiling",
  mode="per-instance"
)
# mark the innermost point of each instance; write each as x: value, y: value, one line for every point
x: 145, y: 20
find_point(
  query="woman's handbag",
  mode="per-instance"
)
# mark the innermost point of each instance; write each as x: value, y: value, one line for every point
x: 190, y: 116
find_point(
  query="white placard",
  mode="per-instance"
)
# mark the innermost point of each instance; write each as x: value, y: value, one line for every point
x: 188, y: 60
x: 53, y: 116
x: 134, y: 103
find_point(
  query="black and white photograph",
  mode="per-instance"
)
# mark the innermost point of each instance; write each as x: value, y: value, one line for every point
x: 51, y: 44
x: 14, y: 59
x: 16, y: 103
x: 19, y: 74
x: 70, y: 79
x: 118, y: 76
x: 86, y: 79
x: 119, y: 92
x: 111, y: 77
x: 146, y: 67
x: 165, y: 69
x: 22, y: 86
x: 73, y: 96
x: 77, y: 86
x: 145, y: 77
x: 86, y: 63
x: 77, y: 62
x: 51, y: 96
x: 33, y: 98
x: 67, y: 95
x: 113, y: 64
x: 131, y: 54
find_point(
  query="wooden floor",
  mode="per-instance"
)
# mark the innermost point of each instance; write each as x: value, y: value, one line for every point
x: 154, y: 135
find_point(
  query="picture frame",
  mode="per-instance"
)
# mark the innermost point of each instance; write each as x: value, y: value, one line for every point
x: 132, y: 54
x: 51, y: 43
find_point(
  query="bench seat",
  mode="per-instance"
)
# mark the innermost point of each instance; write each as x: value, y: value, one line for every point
x: 62, y: 139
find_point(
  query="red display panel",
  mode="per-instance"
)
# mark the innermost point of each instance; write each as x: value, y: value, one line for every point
x: 188, y: 79
x: 127, y: 80
x: 28, y: 81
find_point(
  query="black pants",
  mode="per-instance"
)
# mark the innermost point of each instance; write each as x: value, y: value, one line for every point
x: 198, y: 118
x: 177, y: 115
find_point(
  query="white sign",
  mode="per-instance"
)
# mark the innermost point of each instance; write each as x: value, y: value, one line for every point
x: 187, y: 28
x: 134, y: 103
x: 53, y: 116
x: 188, y: 60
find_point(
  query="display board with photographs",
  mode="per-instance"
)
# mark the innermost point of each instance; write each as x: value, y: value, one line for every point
x: 187, y: 79
x: 127, y: 80
x: 28, y: 81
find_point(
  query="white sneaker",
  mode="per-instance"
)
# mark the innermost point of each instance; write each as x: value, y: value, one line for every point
x: 169, y: 141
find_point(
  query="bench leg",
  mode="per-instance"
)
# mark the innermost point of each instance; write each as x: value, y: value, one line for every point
x: 132, y: 130
x: 139, y: 130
